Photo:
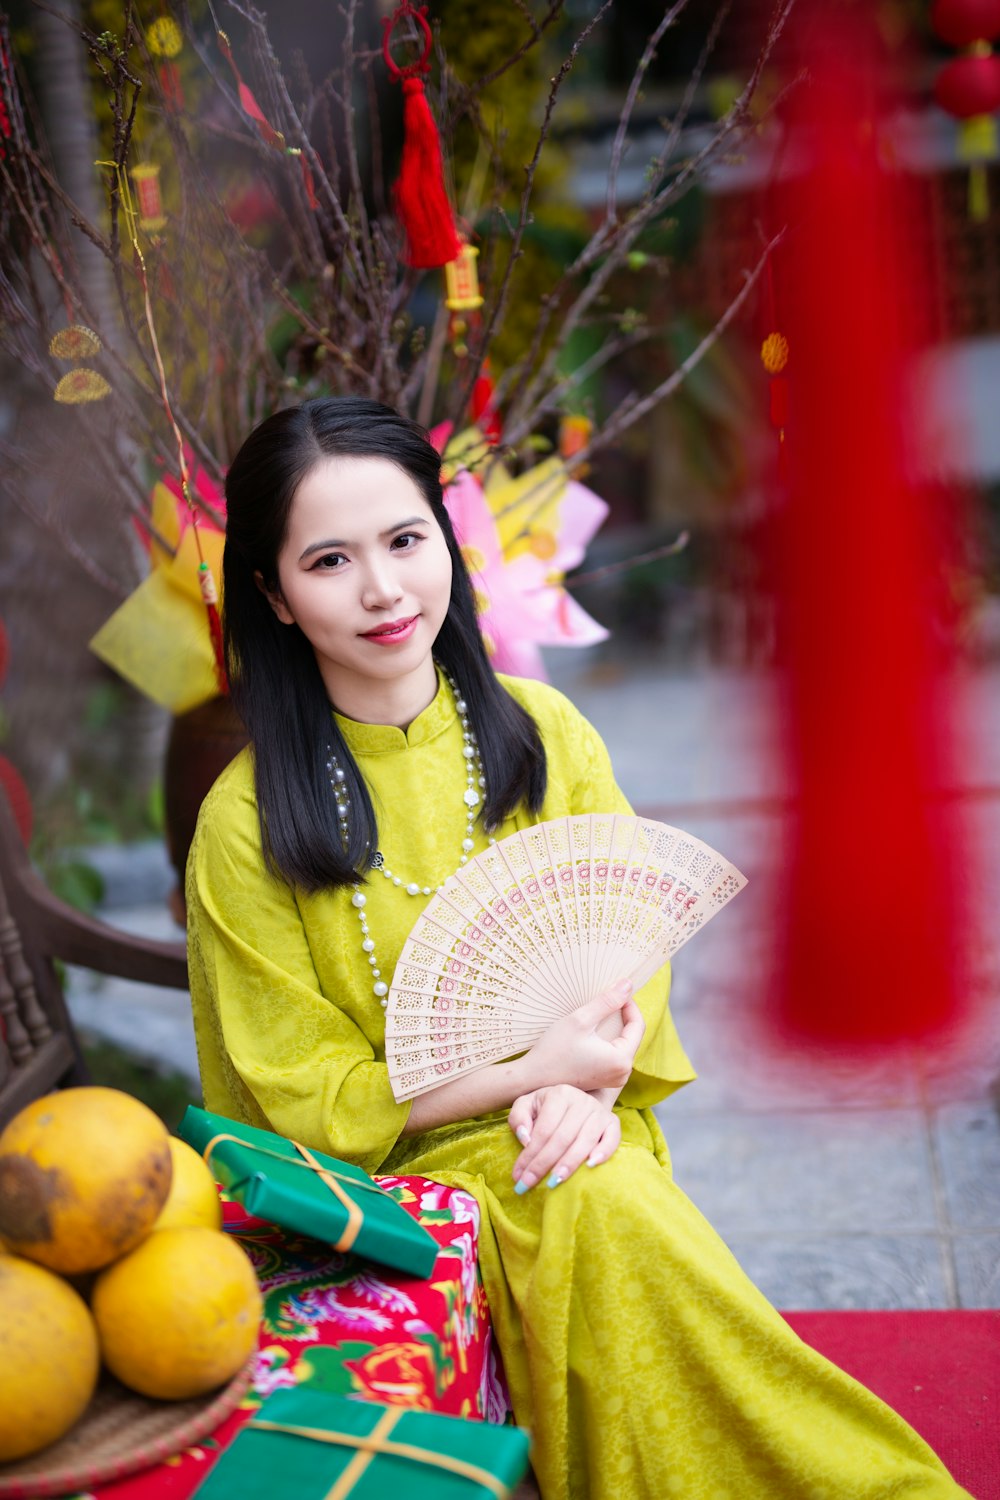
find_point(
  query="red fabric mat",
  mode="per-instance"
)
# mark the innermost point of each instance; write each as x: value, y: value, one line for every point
x: 939, y: 1370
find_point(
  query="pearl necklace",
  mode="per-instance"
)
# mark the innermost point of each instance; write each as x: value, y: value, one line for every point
x: 475, y: 783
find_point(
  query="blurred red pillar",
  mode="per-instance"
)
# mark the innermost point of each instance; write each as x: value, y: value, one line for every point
x: 870, y: 916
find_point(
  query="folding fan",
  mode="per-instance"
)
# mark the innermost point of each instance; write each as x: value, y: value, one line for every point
x: 535, y: 926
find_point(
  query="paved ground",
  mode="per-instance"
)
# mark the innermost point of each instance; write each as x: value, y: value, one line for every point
x: 860, y: 1186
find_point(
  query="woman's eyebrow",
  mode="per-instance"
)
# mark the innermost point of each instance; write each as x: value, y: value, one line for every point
x: 389, y: 531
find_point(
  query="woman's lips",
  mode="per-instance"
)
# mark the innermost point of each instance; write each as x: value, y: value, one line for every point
x: 392, y: 634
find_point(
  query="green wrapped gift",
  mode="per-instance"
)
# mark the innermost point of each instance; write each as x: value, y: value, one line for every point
x: 309, y: 1193
x: 315, y: 1446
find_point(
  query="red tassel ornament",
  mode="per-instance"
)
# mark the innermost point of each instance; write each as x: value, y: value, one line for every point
x: 420, y: 194
x: 872, y: 912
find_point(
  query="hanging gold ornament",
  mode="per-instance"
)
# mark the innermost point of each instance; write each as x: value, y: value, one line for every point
x: 574, y: 435
x: 165, y: 37
x: 74, y: 342
x: 81, y: 385
x: 774, y: 353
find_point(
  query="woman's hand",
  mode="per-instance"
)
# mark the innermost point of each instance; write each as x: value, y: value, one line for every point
x: 560, y: 1127
x: 577, y: 1049
x: 591, y: 1049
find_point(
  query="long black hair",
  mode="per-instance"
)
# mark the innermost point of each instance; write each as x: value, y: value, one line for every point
x: 274, y: 678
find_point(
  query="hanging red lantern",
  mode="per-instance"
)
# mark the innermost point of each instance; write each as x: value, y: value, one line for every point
x: 146, y: 179
x: 970, y: 85
x: 968, y: 88
x: 962, y: 22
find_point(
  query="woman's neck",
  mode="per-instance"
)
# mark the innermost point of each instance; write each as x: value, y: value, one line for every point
x: 395, y: 701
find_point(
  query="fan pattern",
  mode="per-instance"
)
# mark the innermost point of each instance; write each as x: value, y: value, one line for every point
x: 537, y: 925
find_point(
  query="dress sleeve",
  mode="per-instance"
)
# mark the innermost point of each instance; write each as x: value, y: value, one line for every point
x: 273, y: 1049
x: 661, y: 1064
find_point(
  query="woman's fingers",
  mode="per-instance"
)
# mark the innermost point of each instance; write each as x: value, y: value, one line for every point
x: 531, y: 1163
x: 607, y: 1003
x: 607, y: 1144
x: 633, y: 1030
x: 521, y: 1118
x: 564, y: 1135
x: 585, y: 1143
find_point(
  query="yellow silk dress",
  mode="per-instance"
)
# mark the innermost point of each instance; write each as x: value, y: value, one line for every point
x: 639, y: 1355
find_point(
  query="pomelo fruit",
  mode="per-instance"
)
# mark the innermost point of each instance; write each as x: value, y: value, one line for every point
x: 49, y: 1357
x: 83, y: 1175
x: 193, y: 1199
x: 178, y: 1315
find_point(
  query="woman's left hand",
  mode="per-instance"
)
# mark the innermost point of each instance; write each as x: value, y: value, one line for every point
x: 560, y: 1128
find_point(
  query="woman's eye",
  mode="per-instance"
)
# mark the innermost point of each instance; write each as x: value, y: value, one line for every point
x: 330, y: 562
x: 406, y: 540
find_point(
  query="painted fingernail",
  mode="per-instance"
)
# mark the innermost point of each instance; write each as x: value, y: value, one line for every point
x: 523, y: 1134
x: 555, y: 1179
x: 522, y: 1186
x: 594, y: 1161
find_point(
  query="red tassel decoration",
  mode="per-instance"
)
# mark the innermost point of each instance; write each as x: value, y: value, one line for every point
x: 483, y: 409
x: 872, y: 903
x: 5, y: 75
x: 420, y: 195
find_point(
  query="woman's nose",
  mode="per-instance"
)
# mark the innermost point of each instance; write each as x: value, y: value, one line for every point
x: 381, y: 587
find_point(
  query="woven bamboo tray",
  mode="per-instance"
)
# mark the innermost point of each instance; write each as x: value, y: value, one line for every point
x: 119, y: 1433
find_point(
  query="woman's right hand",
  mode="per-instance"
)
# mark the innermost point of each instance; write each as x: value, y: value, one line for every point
x: 575, y: 1049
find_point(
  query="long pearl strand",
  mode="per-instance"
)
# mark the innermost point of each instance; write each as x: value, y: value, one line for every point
x: 471, y: 797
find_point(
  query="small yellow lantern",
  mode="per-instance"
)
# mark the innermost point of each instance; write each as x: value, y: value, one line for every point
x: 462, y: 281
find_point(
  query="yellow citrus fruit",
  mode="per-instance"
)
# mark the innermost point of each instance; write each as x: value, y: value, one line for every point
x: 193, y: 1198
x: 83, y: 1175
x: 49, y: 1357
x: 179, y: 1315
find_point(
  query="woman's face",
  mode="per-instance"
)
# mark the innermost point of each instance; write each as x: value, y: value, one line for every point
x: 365, y: 573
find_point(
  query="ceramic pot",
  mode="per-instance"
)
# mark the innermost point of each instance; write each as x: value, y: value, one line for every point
x: 202, y: 743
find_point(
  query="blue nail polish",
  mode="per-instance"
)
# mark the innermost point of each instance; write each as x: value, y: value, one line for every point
x: 555, y: 1180
x: 521, y: 1187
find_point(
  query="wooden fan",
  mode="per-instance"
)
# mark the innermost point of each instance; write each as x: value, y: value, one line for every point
x: 536, y: 925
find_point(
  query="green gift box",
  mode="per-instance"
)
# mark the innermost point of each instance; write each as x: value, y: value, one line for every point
x: 308, y: 1192
x: 316, y: 1446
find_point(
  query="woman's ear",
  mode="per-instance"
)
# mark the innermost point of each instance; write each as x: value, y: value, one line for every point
x: 274, y: 599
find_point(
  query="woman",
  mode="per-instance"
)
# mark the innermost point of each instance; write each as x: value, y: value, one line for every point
x: 644, y: 1362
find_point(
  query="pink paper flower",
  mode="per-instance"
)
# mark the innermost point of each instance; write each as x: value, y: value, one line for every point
x: 520, y: 600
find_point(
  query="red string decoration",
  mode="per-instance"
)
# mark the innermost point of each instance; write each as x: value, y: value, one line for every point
x: 210, y: 599
x: 420, y: 195
x: 247, y: 101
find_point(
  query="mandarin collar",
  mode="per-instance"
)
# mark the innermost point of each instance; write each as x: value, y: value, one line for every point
x: 384, y: 739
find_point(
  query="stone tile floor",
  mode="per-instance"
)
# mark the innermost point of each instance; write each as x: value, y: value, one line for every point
x: 870, y: 1185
